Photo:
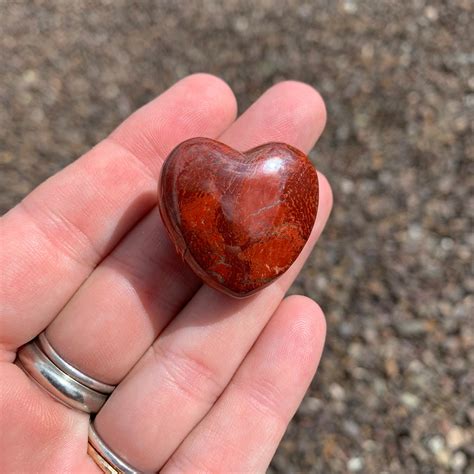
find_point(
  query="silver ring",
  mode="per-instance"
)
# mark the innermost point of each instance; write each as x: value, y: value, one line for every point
x: 56, y: 382
x: 110, y: 457
x: 66, y: 367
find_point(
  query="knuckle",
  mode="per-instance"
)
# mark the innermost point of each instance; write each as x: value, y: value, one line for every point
x: 62, y: 233
x: 191, y: 375
x: 263, y: 397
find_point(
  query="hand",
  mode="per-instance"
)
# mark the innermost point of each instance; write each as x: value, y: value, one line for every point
x: 205, y: 382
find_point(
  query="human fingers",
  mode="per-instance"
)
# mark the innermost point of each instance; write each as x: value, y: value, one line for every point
x: 189, y: 365
x: 185, y: 367
x: 143, y: 283
x: 243, y: 429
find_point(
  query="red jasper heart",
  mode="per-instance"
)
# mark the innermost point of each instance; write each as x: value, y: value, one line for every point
x: 238, y: 219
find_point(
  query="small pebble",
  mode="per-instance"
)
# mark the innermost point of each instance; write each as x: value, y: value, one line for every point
x: 337, y: 392
x: 410, y: 400
x: 431, y: 13
x: 458, y: 461
x: 436, y: 444
x: 355, y: 464
x: 310, y: 405
x: 455, y: 438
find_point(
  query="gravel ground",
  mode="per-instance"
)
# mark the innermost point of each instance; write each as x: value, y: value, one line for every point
x: 392, y: 271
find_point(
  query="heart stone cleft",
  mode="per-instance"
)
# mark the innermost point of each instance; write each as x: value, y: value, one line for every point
x: 238, y: 219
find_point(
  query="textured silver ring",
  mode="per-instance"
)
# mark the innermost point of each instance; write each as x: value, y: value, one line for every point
x: 108, y: 455
x: 56, y: 382
x: 66, y: 367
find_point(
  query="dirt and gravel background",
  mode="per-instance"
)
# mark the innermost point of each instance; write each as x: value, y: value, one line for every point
x: 393, y: 270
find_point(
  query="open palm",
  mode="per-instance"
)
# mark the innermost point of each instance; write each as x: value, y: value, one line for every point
x: 204, y: 382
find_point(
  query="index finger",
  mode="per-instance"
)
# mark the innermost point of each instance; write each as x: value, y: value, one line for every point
x: 53, y: 239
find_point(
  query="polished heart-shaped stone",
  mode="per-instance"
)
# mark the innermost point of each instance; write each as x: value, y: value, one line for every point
x: 238, y: 219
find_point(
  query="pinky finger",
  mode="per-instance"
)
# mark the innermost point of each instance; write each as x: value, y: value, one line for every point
x: 242, y: 431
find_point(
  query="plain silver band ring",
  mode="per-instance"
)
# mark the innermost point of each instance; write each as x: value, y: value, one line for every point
x: 84, y: 379
x: 115, y: 461
x: 56, y: 382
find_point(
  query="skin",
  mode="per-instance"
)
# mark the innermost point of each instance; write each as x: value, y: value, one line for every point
x: 205, y: 382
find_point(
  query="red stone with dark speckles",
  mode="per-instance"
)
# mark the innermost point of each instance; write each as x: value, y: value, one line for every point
x: 238, y: 219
